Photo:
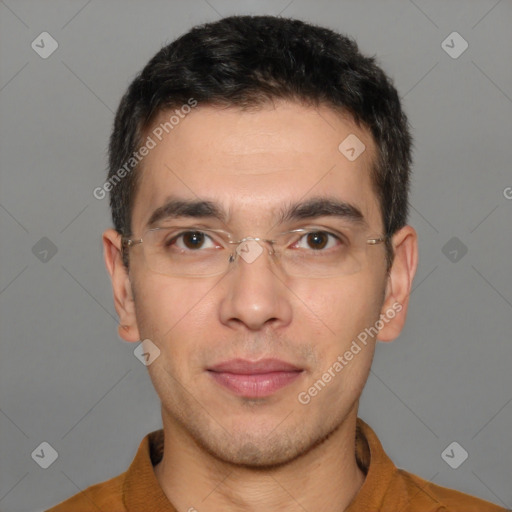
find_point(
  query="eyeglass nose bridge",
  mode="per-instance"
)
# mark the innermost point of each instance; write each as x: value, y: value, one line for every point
x: 234, y: 254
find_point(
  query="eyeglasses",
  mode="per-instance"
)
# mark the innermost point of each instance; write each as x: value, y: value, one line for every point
x: 315, y: 252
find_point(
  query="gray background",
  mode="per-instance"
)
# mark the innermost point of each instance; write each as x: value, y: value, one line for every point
x: 66, y: 377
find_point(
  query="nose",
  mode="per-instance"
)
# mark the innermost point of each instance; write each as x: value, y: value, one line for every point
x: 255, y: 294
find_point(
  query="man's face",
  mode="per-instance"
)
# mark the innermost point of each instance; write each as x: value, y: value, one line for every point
x: 254, y: 164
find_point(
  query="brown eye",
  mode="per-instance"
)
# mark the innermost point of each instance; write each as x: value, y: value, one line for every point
x: 193, y: 239
x: 317, y: 240
x: 190, y: 241
x: 320, y: 241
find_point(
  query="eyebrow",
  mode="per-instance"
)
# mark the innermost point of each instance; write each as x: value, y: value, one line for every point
x: 176, y: 208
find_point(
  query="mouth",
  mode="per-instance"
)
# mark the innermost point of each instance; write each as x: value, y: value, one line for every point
x: 254, y: 379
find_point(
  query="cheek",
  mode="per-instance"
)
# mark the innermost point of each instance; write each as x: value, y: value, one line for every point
x: 334, y: 315
x: 342, y: 310
x: 166, y: 306
x: 180, y: 316
x: 339, y: 305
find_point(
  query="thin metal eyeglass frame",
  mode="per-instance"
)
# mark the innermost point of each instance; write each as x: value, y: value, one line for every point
x: 128, y: 242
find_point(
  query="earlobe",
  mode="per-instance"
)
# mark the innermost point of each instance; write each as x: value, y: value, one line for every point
x: 398, y: 287
x: 128, y: 333
x: 121, y: 286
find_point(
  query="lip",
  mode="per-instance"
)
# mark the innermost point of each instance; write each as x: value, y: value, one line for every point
x: 246, y: 367
x: 254, y: 379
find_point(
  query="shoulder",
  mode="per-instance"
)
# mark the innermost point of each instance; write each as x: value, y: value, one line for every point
x: 440, y: 498
x: 102, y: 496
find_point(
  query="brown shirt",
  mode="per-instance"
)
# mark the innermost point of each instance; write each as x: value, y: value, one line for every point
x: 386, y: 488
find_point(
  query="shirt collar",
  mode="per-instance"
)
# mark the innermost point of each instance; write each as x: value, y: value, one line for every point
x: 377, y: 466
x: 141, y: 489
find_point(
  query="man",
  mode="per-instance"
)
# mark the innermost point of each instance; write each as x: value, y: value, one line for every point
x: 259, y: 176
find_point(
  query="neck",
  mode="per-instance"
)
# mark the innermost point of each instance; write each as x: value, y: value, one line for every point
x: 325, y: 478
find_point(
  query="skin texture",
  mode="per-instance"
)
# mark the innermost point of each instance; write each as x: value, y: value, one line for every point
x: 270, y: 453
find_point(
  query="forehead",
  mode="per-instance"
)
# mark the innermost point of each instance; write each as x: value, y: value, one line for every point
x: 252, y: 163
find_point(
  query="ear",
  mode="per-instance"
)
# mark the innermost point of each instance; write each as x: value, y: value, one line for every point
x: 121, y: 286
x: 398, y: 287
